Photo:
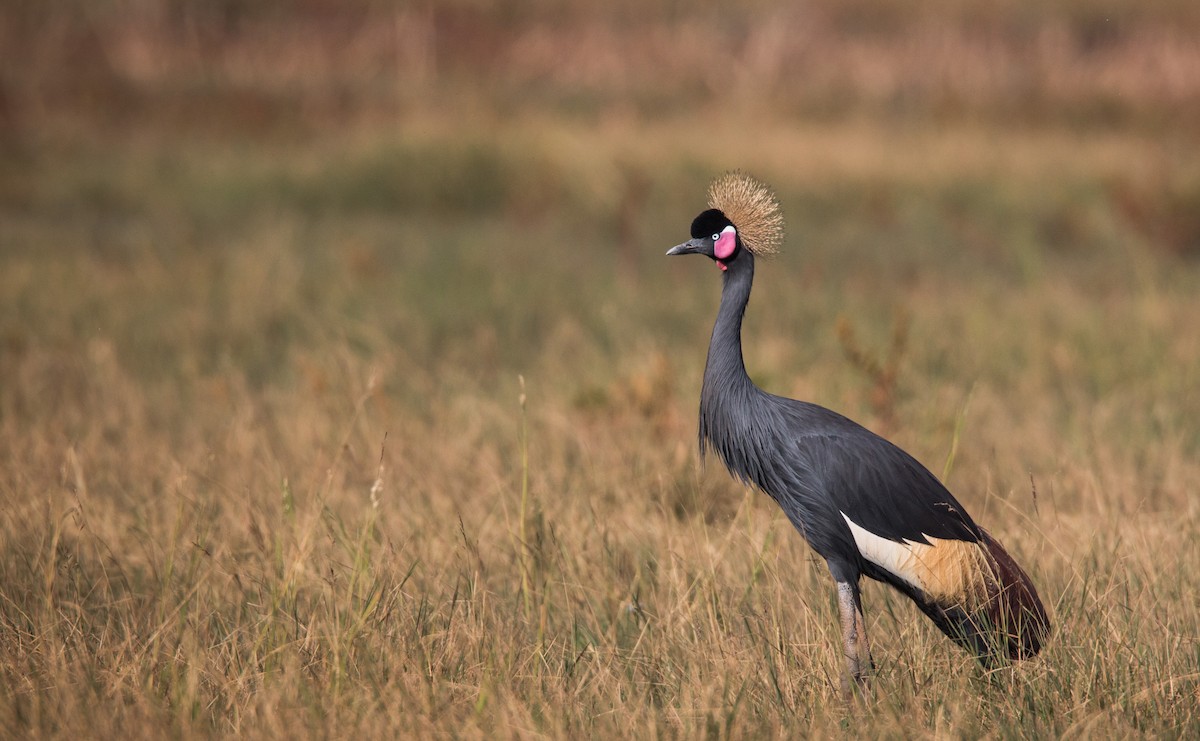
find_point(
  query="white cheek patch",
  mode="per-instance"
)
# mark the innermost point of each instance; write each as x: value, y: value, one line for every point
x: 948, y: 570
x: 726, y: 243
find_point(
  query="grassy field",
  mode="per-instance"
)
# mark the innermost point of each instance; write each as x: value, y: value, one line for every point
x: 345, y: 389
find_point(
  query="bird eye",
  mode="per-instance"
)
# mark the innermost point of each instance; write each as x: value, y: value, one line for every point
x: 716, y: 237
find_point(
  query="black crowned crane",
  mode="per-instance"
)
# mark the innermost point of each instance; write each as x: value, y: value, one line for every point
x: 864, y: 505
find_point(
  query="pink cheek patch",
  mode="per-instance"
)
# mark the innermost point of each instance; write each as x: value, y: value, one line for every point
x: 726, y: 243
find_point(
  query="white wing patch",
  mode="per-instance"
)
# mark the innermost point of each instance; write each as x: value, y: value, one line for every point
x: 947, y: 570
x: 895, y: 558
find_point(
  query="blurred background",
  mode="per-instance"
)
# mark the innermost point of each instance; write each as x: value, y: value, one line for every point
x: 270, y: 269
x: 471, y: 158
x: 220, y: 190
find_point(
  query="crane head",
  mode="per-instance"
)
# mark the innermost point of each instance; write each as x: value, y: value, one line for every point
x: 714, y: 236
x: 743, y: 214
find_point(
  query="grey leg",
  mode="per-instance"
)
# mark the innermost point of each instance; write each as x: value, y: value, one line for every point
x: 856, y: 648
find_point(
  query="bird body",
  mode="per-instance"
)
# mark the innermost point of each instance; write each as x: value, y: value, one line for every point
x: 862, y: 503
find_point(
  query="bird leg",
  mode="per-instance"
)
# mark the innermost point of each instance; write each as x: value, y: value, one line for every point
x: 857, y: 650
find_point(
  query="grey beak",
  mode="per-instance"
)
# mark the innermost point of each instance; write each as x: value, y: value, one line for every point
x: 689, y: 247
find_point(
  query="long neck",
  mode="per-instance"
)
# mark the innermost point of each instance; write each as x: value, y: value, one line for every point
x: 725, y: 367
x: 728, y: 392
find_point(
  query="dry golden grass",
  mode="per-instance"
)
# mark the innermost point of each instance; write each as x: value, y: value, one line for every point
x: 268, y: 469
x: 267, y: 479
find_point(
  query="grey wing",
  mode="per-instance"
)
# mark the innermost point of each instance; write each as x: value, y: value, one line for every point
x: 884, y: 489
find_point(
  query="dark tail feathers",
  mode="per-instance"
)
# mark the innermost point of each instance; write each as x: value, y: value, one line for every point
x: 1009, y: 621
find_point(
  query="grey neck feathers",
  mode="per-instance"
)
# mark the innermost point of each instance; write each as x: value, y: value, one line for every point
x: 727, y: 388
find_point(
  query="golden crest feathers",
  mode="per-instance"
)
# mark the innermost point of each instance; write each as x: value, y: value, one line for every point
x: 753, y: 209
